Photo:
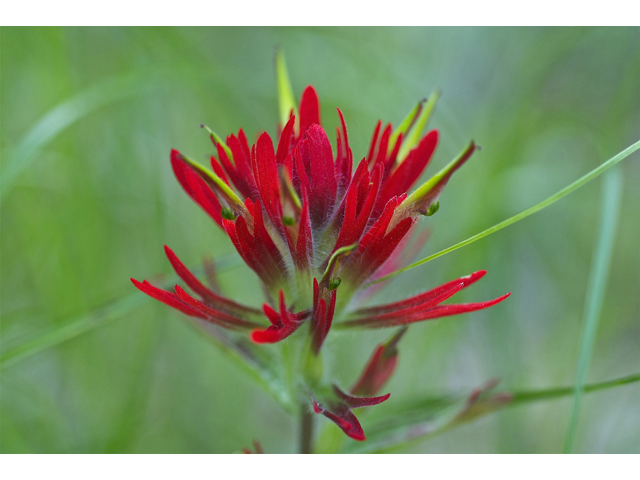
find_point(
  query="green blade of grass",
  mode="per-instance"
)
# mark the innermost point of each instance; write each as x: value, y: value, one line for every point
x: 529, y: 211
x: 611, y: 193
x: 90, y: 321
x: 74, y: 328
x: 65, y: 114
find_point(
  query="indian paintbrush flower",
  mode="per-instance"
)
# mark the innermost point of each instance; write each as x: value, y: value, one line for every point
x: 317, y: 231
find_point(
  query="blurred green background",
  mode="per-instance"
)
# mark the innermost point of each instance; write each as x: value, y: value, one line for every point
x: 88, y: 117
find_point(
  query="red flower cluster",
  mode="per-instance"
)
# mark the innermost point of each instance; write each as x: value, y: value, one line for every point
x: 316, y: 232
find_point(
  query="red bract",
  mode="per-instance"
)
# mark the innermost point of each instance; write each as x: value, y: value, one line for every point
x: 316, y: 232
x: 339, y: 411
x: 380, y: 367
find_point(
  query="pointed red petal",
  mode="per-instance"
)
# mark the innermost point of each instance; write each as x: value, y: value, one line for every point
x: 303, y: 254
x: 196, y: 187
x: 409, y: 171
x: 409, y: 311
x: 283, y: 324
x: 344, y: 157
x: 322, y: 319
x: 374, y: 143
x: 265, y: 171
x: 317, y: 157
x: 197, y: 286
x: 436, y: 312
x: 213, y: 315
x: 309, y: 109
x: 285, y: 142
x: 167, y: 298
x: 359, y: 402
x: 379, y: 368
x: 348, y: 423
x: 423, y: 297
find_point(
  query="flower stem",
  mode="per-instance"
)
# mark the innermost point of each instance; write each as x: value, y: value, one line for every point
x: 306, y: 429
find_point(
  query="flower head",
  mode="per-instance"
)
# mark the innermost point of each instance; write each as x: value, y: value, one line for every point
x: 317, y: 229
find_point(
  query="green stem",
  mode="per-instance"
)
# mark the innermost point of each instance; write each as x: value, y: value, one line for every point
x: 611, y: 193
x: 306, y: 429
x: 529, y: 211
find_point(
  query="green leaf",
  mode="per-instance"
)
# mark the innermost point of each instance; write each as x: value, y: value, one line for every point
x: 74, y: 328
x: 524, y: 214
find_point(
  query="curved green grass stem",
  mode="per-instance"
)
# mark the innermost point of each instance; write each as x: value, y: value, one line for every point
x: 529, y: 211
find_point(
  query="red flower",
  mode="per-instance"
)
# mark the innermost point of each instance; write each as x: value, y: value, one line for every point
x: 316, y: 232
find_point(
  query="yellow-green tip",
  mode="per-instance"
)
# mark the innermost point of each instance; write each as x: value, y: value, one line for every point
x: 286, y: 100
x: 218, y: 140
x: 412, y: 127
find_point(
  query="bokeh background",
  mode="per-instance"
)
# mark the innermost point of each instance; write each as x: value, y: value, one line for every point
x: 88, y: 116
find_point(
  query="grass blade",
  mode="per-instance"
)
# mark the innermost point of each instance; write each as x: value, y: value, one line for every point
x: 66, y: 114
x: 74, y: 328
x: 611, y: 193
x: 90, y: 321
x: 529, y: 211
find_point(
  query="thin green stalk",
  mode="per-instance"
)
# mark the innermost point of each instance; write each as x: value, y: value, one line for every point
x: 527, y: 396
x: 611, y: 193
x: 306, y: 429
x: 529, y: 211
